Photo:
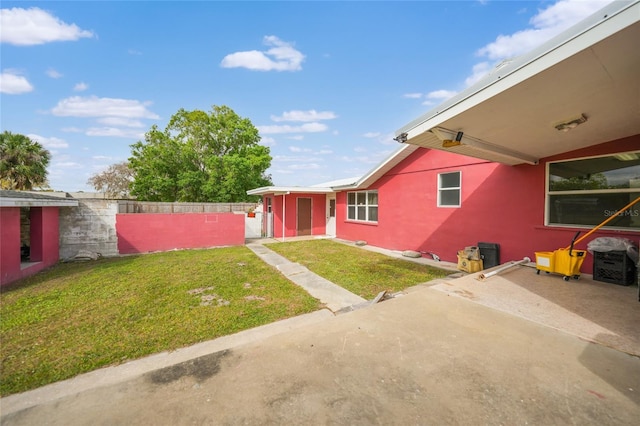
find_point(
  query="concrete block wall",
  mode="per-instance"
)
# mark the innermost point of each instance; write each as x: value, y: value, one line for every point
x: 90, y: 226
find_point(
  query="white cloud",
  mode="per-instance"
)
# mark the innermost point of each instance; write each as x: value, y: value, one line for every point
x: 546, y: 24
x: 311, y: 115
x: 67, y: 165
x: 324, y: 152
x: 120, y: 121
x: 80, y: 87
x: 441, y: 94
x: 26, y: 27
x: 49, y: 143
x: 282, y: 56
x: 267, y: 141
x: 412, y: 95
x: 53, y: 73
x: 306, y: 166
x: 13, y: 83
x: 479, y: 70
x: 296, y: 137
x: 299, y: 149
x: 295, y: 159
x: 77, y: 106
x: 305, y: 128
x: 383, y: 138
x: 71, y: 130
x: 115, y: 132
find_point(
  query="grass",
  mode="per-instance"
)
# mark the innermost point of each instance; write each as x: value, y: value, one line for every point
x: 77, y: 317
x: 362, y: 272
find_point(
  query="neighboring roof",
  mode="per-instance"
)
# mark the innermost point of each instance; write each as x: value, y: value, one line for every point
x: 285, y: 190
x: 342, y: 184
x: 31, y: 199
x: 338, y: 182
x: 510, y: 116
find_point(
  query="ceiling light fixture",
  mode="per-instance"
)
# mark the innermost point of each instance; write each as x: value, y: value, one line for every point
x: 572, y: 123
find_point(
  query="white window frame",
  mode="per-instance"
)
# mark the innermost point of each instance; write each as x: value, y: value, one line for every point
x: 549, y: 193
x: 456, y: 188
x: 366, y: 206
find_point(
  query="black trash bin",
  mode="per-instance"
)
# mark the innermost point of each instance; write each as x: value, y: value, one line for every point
x: 490, y: 254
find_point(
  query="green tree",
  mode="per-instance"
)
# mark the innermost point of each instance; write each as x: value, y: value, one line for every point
x: 23, y: 162
x: 200, y: 157
x: 114, y: 181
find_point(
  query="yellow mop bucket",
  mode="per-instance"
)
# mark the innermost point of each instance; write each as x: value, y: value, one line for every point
x: 569, y: 262
x: 566, y: 262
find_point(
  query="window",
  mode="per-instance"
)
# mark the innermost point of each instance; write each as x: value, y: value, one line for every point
x: 588, y: 191
x: 449, y: 189
x: 362, y: 205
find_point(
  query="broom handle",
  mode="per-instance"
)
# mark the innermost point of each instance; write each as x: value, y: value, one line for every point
x: 603, y: 223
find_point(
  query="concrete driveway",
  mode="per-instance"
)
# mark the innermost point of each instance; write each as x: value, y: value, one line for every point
x: 426, y: 358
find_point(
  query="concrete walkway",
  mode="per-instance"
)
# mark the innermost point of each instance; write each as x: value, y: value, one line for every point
x: 332, y: 296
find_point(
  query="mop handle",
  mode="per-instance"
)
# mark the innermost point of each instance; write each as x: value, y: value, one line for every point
x: 604, y: 223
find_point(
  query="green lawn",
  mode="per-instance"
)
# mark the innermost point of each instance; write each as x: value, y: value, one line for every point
x: 76, y: 317
x: 360, y: 271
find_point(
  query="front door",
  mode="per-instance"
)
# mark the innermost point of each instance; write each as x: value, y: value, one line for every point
x: 304, y: 216
x: 331, y: 215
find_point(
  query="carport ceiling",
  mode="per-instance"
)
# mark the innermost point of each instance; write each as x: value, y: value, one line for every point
x: 592, y: 69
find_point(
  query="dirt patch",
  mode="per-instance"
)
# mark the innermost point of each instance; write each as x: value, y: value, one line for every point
x: 207, y: 298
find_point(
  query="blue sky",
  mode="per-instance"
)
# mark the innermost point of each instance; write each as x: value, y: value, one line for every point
x: 326, y: 83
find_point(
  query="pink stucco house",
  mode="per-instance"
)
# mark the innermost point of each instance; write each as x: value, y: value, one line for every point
x: 544, y: 146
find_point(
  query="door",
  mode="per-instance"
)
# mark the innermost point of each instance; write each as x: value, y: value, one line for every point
x: 331, y: 215
x: 304, y: 216
x: 268, y: 217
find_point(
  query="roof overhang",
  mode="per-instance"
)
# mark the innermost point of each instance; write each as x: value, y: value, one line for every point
x: 591, y: 71
x: 286, y: 190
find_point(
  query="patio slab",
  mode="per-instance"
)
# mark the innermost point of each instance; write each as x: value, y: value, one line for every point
x: 596, y: 311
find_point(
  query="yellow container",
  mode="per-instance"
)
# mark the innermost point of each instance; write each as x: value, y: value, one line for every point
x: 545, y: 261
x: 468, y: 265
x: 568, y: 262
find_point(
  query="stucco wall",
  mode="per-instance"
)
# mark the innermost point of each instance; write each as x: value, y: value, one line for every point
x: 141, y: 233
x: 9, y: 244
x: 90, y: 226
x: 500, y: 204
